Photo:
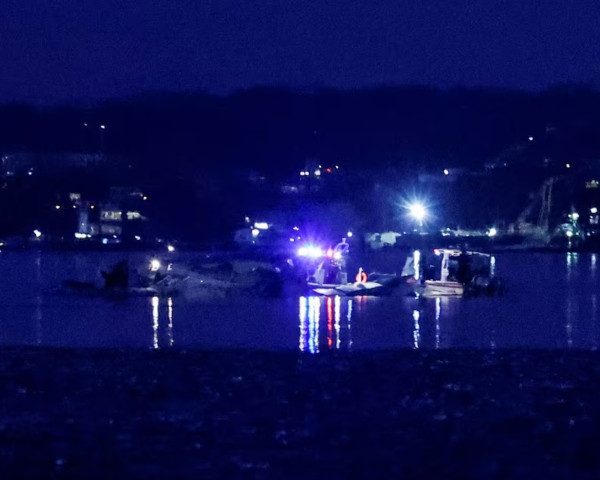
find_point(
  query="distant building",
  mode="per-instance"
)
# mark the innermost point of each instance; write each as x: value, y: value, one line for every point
x: 16, y: 163
x: 68, y: 160
x: 118, y: 218
x: 125, y: 194
x: 315, y: 169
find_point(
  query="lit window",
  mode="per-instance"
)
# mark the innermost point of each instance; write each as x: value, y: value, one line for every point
x: 134, y: 215
x: 113, y: 215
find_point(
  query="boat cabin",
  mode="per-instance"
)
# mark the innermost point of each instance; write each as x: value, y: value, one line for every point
x: 452, y: 264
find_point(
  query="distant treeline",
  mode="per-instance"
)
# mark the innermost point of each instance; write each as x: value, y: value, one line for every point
x: 182, y: 147
x: 276, y: 130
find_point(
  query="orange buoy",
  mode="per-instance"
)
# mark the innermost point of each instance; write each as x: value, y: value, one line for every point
x: 361, y: 276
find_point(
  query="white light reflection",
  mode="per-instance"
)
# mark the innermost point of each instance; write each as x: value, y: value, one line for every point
x: 416, y: 333
x: 438, y: 311
x: 170, y: 316
x: 595, y: 321
x: 572, y: 260
x: 571, y: 315
x: 38, y: 267
x: 309, y: 323
x: 492, y: 266
x: 594, y: 262
x: 38, y: 319
x: 349, y: 324
x: 303, y: 315
x: 337, y: 321
x: 314, y: 315
x: 417, y: 263
x: 155, y: 322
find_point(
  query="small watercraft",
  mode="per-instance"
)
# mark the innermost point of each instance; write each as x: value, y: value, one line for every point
x: 461, y: 273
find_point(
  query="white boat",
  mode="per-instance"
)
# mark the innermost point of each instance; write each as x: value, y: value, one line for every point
x: 461, y: 272
x: 446, y: 285
x: 437, y: 288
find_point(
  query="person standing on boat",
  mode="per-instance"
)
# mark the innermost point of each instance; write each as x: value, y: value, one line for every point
x: 464, y: 270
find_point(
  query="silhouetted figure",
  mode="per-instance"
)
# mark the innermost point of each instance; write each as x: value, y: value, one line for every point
x: 331, y: 274
x: 118, y: 277
x: 464, y: 271
x: 429, y: 266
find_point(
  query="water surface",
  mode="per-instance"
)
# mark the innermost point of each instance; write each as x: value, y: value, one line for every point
x: 551, y: 302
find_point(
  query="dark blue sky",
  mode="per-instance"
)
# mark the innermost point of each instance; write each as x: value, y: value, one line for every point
x: 90, y: 49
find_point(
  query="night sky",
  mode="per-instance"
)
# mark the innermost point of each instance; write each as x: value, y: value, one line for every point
x: 71, y: 50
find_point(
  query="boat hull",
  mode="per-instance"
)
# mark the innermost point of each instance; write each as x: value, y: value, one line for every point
x: 437, y: 288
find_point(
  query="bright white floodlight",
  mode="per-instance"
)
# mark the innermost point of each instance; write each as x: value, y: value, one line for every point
x: 418, y: 212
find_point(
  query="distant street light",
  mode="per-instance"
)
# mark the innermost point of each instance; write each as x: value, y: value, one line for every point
x: 102, y: 128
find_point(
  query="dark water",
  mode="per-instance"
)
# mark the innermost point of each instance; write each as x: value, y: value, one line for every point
x: 552, y: 301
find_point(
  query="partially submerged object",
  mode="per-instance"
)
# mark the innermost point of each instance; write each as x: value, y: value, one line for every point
x: 209, y: 278
x: 350, y: 289
x: 204, y: 279
x: 116, y: 284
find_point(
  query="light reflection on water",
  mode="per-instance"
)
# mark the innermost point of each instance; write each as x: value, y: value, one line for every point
x: 572, y: 261
x: 551, y: 302
x: 569, y: 324
x: 313, y: 324
x: 438, y: 311
x: 38, y: 320
x: 170, y: 316
x: 416, y: 334
x: 155, y: 301
x: 303, y: 313
x: 338, y: 315
x: 156, y: 321
x: 349, y: 318
x: 310, y: 314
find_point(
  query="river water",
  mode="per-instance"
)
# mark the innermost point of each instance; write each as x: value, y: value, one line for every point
x: 552, y: 301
